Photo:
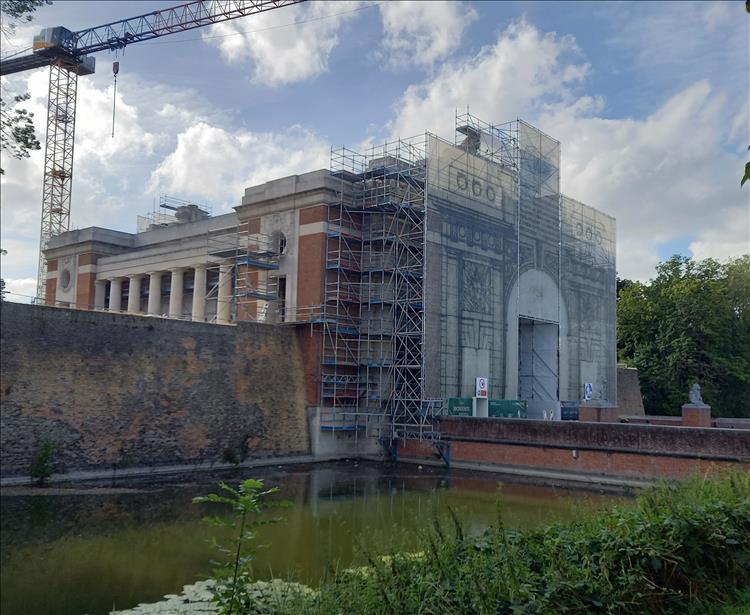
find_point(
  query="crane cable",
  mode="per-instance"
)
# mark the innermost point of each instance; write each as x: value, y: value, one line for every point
x: 115, y: 70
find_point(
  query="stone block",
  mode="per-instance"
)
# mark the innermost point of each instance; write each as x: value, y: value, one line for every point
x: 694, y: 415
x: 590, y: 414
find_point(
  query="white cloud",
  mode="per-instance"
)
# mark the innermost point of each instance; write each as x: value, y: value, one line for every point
x: 664, y: 178
x: 215, y: 164
x: 284, y: 53
x: 422, y: 33
x: 110, y: 174
x: 667, y: 177
x: 520, y: 72
x: 20, y: 290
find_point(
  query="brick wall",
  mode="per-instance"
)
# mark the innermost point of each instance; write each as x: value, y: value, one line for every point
x: 114, y: 389
x: 596, y: 448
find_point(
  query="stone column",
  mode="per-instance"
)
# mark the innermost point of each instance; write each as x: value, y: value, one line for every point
x: 115, y: 294
x: 134, y: 294
x: 224, y: 303
x: 100, y: 292
x: 154, y: 293
x: 175, y: 293
x: 199, y: 294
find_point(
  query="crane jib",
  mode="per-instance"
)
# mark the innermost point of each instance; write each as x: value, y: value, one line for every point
x: 68, y: 55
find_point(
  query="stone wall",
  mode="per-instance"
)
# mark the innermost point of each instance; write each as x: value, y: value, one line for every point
x: 611, y: 449
x: 629, y: 398
x: 118, y: 391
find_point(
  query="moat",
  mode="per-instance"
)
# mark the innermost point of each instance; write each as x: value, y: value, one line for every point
x: 86, y: 548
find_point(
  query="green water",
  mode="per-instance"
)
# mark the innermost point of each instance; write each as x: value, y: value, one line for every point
x: 75, y: 551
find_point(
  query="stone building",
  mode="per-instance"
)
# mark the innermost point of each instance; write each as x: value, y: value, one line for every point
x: 424, y: 275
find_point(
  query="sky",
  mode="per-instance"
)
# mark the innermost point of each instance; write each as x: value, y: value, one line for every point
x: 649, y: 100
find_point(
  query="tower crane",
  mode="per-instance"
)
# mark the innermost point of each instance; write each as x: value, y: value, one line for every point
x: 69, y: 55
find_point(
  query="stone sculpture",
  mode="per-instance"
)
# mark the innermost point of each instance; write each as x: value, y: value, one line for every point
x: 695, y: 395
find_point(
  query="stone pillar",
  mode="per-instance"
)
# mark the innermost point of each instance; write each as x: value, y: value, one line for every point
x: 154, y: 293
x: 115, y: 294
x: 175, y: 293
x: 100, y: 292
x: 696, y: 415
x: 134, y: 294
x: 199, y: 294
x: 224, y: 303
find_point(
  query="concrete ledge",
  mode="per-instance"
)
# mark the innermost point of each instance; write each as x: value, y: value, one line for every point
x: 544, y: 475
x: 139, y: 472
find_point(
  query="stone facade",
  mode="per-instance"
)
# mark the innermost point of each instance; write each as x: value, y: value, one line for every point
x: 114, y: 390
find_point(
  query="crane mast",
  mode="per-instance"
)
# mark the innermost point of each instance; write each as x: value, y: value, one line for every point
x: 68, y: 56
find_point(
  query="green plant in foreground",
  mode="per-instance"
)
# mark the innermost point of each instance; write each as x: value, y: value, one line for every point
x: 234, y: 593
x: 41, y: 470
x: 676, y: 548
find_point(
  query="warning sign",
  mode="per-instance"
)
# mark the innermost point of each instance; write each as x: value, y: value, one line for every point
x: 482, y: 387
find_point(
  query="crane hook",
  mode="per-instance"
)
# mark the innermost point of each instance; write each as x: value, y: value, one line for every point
x: 115, y: 70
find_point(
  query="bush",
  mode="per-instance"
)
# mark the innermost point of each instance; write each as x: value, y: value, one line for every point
x: 675, y: 548
x: 41, y: 470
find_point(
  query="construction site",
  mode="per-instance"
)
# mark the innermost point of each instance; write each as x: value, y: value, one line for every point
x: 434, y: 277
x: 430, y: 276
x: 415, y: 326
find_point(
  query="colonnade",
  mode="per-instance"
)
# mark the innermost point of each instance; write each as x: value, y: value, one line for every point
x: 176, y: 293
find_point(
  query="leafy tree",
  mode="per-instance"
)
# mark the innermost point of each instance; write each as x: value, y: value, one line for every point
x: 17, y: 136
x: 691, y: 323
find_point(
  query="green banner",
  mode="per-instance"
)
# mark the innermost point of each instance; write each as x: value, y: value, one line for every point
x: 460, y: 406
x: 507, y: 408
x: 497, y: 408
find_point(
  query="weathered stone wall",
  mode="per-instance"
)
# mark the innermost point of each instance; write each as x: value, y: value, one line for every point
x: 113, y: 390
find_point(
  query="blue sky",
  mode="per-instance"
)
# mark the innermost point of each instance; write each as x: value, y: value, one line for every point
x: 649, y: 100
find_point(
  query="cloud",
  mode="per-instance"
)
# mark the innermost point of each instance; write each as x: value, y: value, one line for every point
x: 215, y: 164
x: 663, y: 178
x: 20, y: 290
x: 670, y: 46
x: 283, y: 53
x: 110, y: 174
x: 521, y: 71
x: 422, y: 33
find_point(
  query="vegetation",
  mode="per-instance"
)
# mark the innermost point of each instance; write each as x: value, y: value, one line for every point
x: 42, y: 468
x: 675, y: 548
x: 678, y: 549
x: 234, y: 590
x: 691, y: 323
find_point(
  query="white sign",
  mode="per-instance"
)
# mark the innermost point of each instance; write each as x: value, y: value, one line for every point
x: 482, y: 387
x: 588, y: 391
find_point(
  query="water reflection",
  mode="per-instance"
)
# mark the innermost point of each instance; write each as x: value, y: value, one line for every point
x: 81, y: 551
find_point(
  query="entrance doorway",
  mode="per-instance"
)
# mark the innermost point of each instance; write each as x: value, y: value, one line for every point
x: 538, y: 361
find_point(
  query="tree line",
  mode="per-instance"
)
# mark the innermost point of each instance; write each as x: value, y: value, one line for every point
x: 690, y: 323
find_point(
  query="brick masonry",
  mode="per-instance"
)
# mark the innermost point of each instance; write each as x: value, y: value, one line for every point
x: 644, y: 451
x: 114, y: 390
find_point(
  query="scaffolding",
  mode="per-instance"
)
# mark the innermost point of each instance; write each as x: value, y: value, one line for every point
x: 256, y: 286
x: 409, y: 317
x: 371, y: 360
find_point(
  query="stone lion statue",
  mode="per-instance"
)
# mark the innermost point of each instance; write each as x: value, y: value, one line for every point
x: 695, y: 395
